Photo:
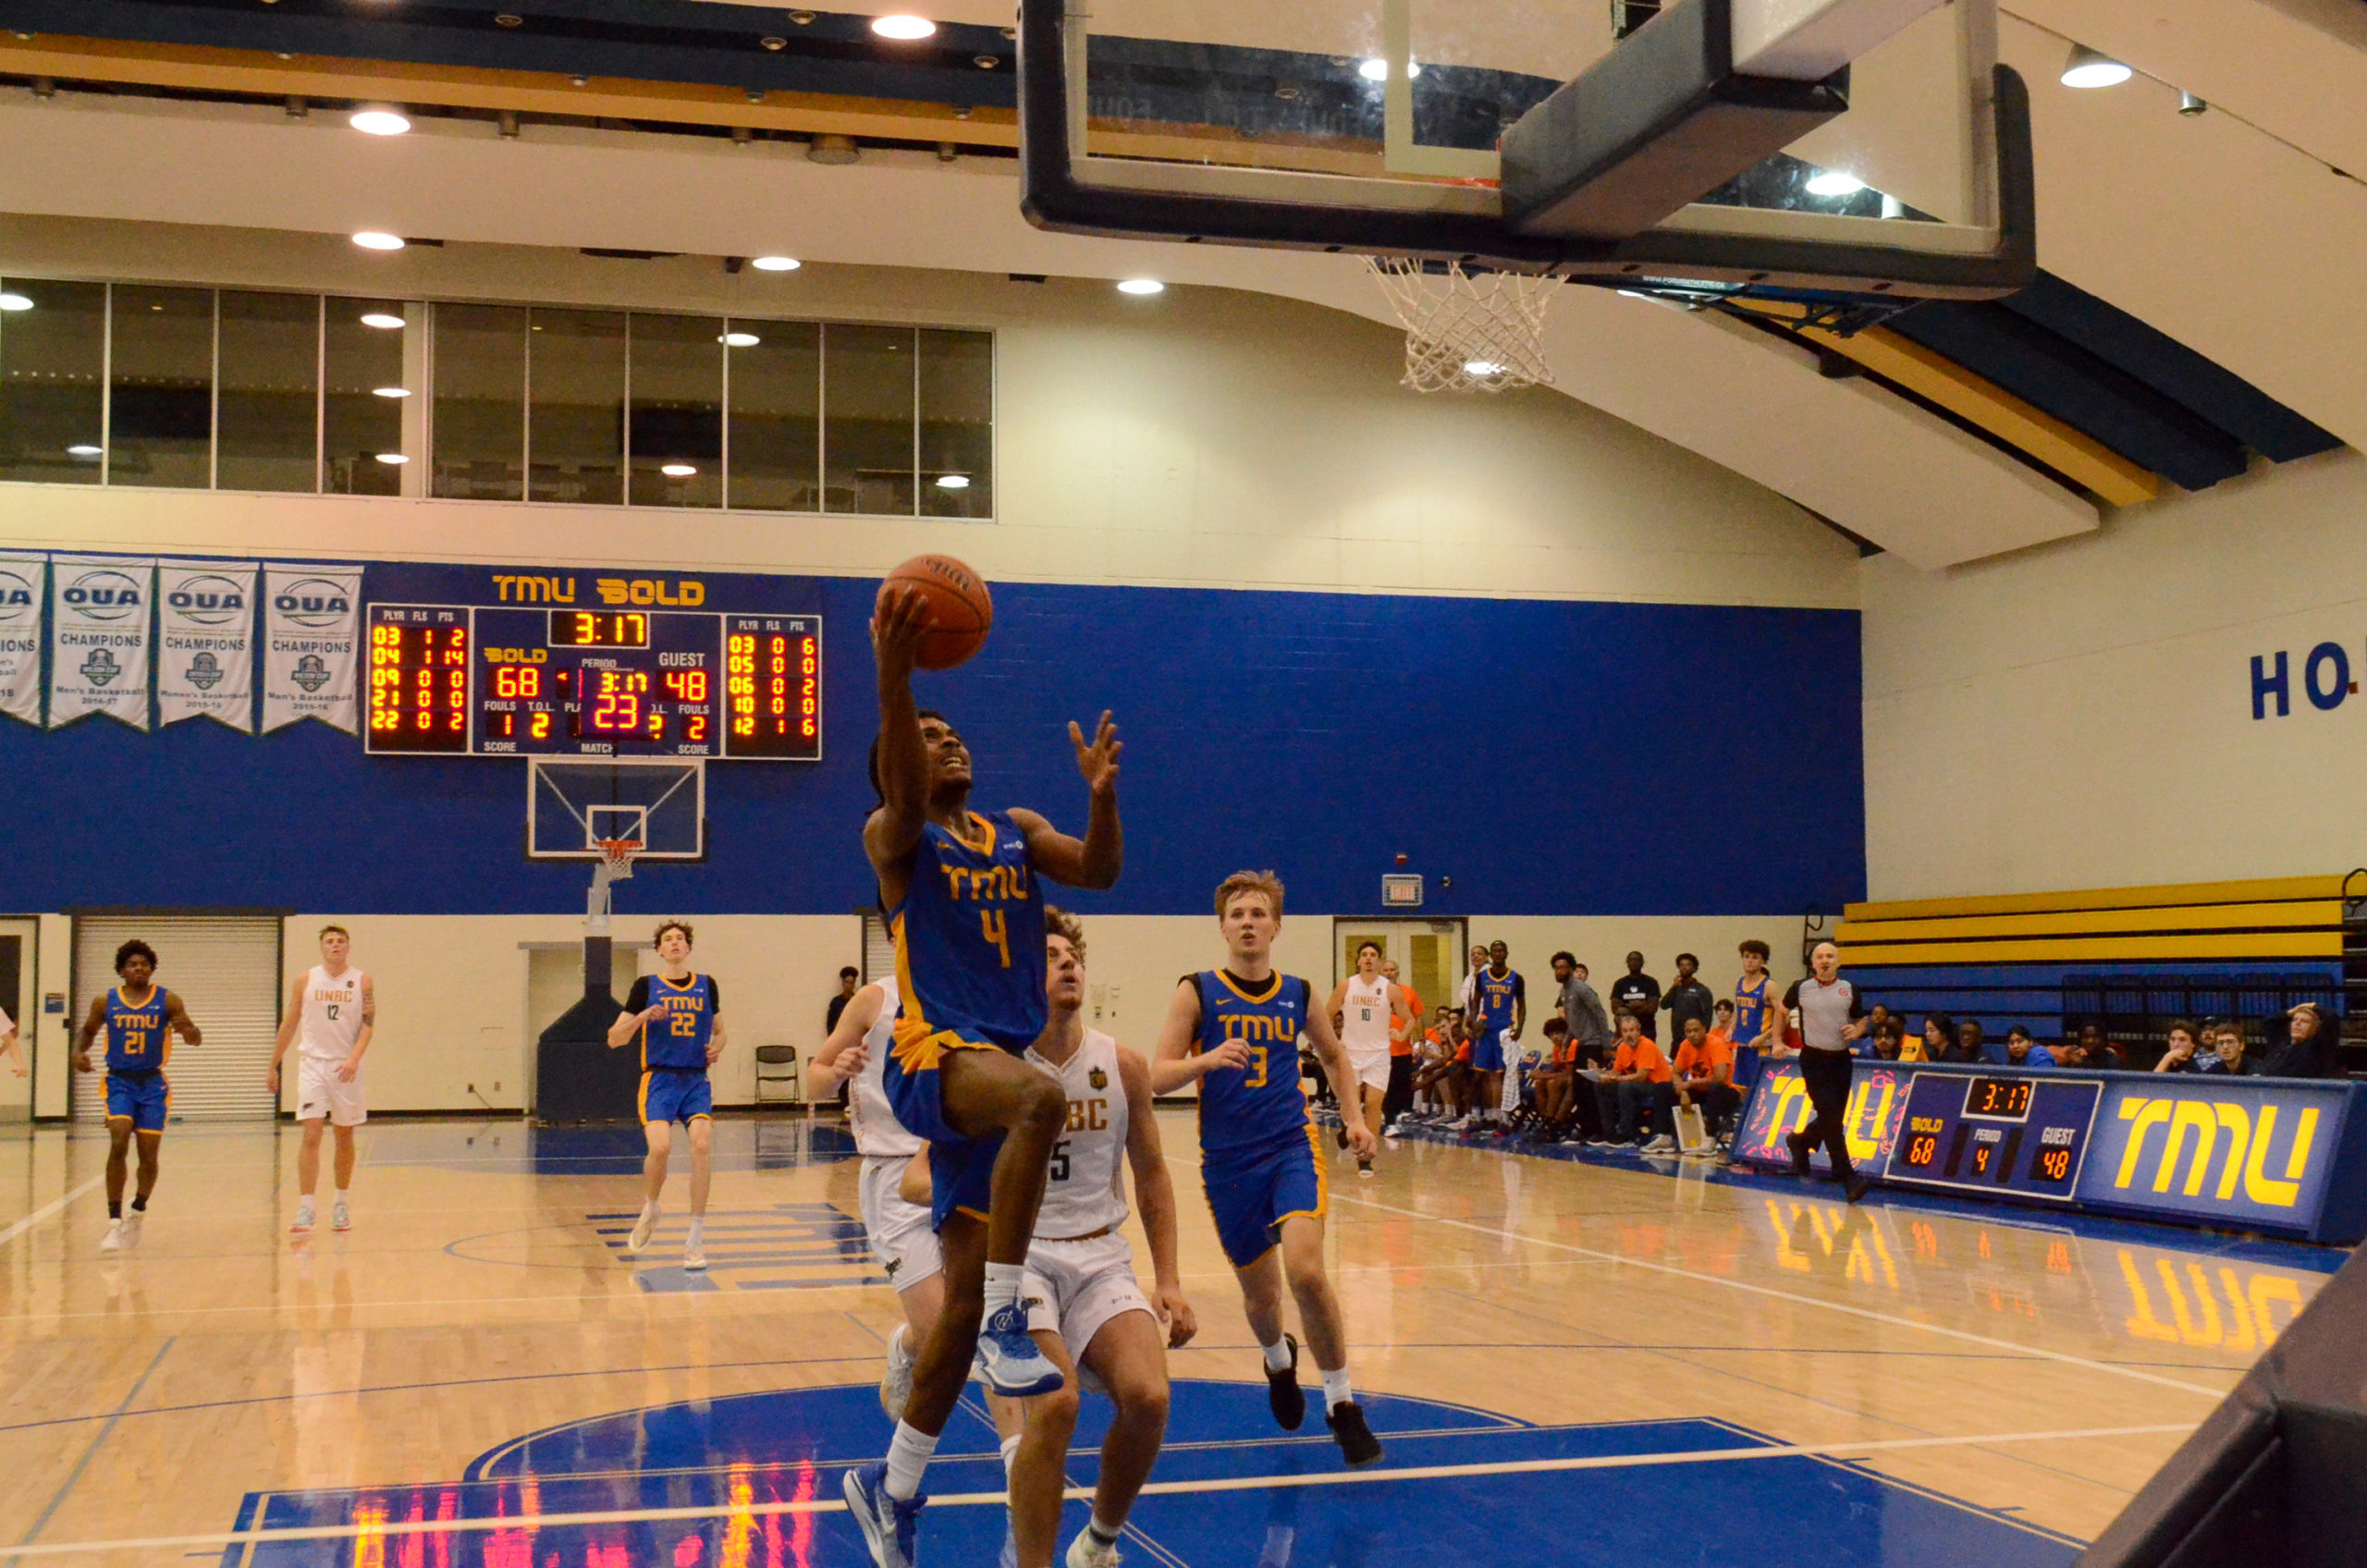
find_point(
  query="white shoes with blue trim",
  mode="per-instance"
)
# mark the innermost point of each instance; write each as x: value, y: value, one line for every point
x: 896, y: 1382
x: 1009, y: 1357
x: 891, y: 1527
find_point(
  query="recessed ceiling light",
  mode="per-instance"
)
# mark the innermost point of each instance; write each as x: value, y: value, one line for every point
x: 84, y: 450
x: 390, y: 391
x: 677, y: 471
x: 1141, y: 286
x: 904, y: 29
x: 2089, y: 67
x: 395, y: 458
x: 1480, y: 370
x: 776, y: 263
x: 1832, y: 182
x: 1378, y: 70
x: 14, y: 302
x: 738, y: 340
x: 370, y: 239
x: 381, y: 320
x: 378, y: 122
x: 953, y: 482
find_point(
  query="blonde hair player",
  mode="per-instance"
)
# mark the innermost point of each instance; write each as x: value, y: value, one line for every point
x: 1369, y: 1005
x: 1236, y: 1029
x: 333, y: 1008
x: 677, y: 1014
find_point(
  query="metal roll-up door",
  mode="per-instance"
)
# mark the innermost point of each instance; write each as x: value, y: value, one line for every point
x: 226, y: 969
x: 878, y: 950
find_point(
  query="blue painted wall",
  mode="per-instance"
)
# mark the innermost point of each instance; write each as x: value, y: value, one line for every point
x: 1549, y: 757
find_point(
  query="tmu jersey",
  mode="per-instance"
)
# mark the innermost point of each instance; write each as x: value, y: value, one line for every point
x: 1750, y: 1009
x: 1492, y: 998
x: 679, y: 1039
x: 1260, y: 1103
x: 970, y: 939
x: 136, y: 1038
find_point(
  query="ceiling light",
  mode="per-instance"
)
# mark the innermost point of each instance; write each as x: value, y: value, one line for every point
x: 677, y: 471
x: 776, y: 263
x: 1832, y: 182
x: 1481, y: 370
x: 953, y: 482
x: 1378, y: 70
x: 1141, y: 286
x: 378, y: 122
x: 370, y: 239
x: 381, y: 320
x: 2088, y: 67
x: 738, y: 340
x: 395, y: 458
x: 904, y: 29
x: 390, y: 391
x: 14, y: 302
x: 84, y: 450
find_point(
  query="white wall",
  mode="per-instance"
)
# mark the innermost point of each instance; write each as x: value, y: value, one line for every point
x: 2080, y: 715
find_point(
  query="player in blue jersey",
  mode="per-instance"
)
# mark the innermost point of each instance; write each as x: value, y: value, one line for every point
x: 140, y: 1018
x: 963, y: 904
x: 1498, y: 1009
x: 1236, y: 1030
x: 678, y: 1016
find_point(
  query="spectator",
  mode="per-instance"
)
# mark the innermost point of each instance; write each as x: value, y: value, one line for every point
x: 2023, y: 1051
x: 1721, y: 1025
x: 1634, y: 1094
x: 1970, y: 1047
x: 850, y: 979
x: 1638, y: 994
x: 2093, y: 1051
x: 1705, y: 1075
x: 1877, y: 1019
x: 1689, y: 998
x: 1549, y: 1084
x: 1582, y: 1008
x: 1471, y: 978
x: 1939, y: 1037
x: 2230, y: 1058
x: 2307, y: 1050
x: 1403, y: 1026
x: 1433, y: 1067
x: 2183, y: 1037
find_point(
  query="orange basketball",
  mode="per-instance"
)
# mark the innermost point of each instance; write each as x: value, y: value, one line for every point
x: 958, y: 598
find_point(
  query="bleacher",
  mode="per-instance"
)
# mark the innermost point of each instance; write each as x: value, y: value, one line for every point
x: 2127, y: 959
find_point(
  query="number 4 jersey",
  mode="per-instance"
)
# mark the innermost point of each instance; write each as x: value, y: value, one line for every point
x: 1261, y: 1103
x: 969, y: 941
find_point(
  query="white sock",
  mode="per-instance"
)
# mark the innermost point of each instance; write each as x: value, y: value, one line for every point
x: 1278, y: 1355
x: 908, y: 1456
x: 340, y: 1194
x: 1106, y: 1534
x: 304, y: 1204
x: 1003, y: 1285
x: 698, y: 1230
x: 1335, y: 1388
x: 649, y: 1207
x: 1010, y: 1454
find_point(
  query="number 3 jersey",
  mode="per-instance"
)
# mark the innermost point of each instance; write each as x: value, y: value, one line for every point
x: 1259, y: 1104
x: 970, y: 939
x: 1085, y: 1190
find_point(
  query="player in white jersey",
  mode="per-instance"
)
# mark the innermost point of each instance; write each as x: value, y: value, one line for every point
x: 334, y: 1009
x: 1368, y: 1003
x: 901, y: 1237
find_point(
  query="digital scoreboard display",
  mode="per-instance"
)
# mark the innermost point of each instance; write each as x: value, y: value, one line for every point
x: 489, y: 680
x: 2025, y: 1134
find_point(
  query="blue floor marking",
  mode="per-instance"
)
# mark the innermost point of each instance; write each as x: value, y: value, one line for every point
x: 526, y: 1149
x: 1797, y: 1512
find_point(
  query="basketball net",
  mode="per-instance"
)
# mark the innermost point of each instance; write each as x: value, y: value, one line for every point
x: 615, y: 865
x: 1468, y: 332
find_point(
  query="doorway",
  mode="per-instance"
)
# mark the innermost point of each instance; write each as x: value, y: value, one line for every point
x: 1428, y: 953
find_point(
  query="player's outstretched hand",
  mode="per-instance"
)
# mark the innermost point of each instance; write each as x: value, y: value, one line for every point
x: 1177, y: 1313
x: 898, y: 620
x: 1361, y: 1140
x: 1098, y: 761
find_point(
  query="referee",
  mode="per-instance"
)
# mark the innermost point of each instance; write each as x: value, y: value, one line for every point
x: 1831, y: 1017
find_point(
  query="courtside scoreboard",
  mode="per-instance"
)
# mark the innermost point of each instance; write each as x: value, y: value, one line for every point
x: 591, y: 680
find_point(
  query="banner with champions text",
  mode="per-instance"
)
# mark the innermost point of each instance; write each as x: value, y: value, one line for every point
x: 312, y: 634
x: 21, y: 592
x: 98, y: 637
x: 205, y: 641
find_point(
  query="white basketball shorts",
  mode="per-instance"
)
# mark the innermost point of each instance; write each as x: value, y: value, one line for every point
x: 900, y: 1237
x: 320, y: 1093
x: 1073, y: 1288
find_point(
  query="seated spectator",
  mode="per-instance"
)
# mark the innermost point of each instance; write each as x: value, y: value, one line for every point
x: 1878, y: 1017
x: 1970, y: 1047
x: 2184, y: 1036
x: 1549, y: 1084
x: 1705, y: 1076
x: 2023, y: 1051
x: 2229, y: 1057
x: 1634, y: 1093
x: 1722, y: 1026
x: 1939, y: 1039
x: 1890, y: 1040
x: 1433, y: 1058
x: 2307, y: 1050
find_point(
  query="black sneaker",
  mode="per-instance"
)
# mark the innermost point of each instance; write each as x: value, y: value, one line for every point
x: 1799, y: 1144
x: 1284, y: 1395
x: 1856, y: 1187
x: 1357, y: 1445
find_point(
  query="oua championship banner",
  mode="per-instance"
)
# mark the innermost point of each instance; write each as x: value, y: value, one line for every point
x: 98, y: 637
x: 21, y: 592
x: 205, y: 642
x: 310, y: 641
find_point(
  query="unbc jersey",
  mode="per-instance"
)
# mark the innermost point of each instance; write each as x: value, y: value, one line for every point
x: 1084, y: 1187
x: 136, y: 1038
x: 970, y: 939
x: 332, y: 1018
x: 679, y: 1039
x: 878, y: 1134
x: 1260, y: 1104
x: 1493, y: 997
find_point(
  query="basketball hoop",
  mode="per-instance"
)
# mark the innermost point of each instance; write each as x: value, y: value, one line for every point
x: 1468, y: 331
x: 616, y: 857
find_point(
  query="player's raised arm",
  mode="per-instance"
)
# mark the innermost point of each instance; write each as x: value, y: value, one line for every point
x: 842, y: 1055
x: 177, y: 1020
x: 1094, y: 860
x: 1174, y: 1065
x: 1336, y: 1067
x: 898, y: 622
x: 1155, y: 1198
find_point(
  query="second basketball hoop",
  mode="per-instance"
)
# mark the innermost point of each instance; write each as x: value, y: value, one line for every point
x: 1468, y: 330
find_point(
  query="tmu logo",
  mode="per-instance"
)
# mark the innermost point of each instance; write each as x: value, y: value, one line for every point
x: 2325, y: 680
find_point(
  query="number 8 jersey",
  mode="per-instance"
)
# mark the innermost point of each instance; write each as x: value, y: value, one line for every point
x: 1261, y: 1103
x: 970, y: 938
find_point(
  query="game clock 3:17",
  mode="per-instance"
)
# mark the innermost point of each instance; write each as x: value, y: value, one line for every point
x: 773, y: 686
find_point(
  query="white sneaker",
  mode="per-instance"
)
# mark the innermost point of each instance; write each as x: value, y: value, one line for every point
x: 896, y: 1382
x: 131, y: 1229
x: 1659, y: 1144
x: 303, y: 1224
x: 642, y: 1229
x: 340, y: 1217
x: 1393, y: 1131
x: 1086, y: 1552
x: 113, y: 1240
x: 694, y: 1250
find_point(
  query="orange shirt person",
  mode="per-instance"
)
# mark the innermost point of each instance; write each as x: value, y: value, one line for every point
x: 1637, y: 1090
x: 1705, y: 1074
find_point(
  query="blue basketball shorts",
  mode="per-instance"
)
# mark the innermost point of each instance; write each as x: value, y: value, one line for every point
x: 675, y: 1094
x: 1487, y: 1051
x: 141, y: 1098
x: 961, y: 1170
x: 1252, y: 1191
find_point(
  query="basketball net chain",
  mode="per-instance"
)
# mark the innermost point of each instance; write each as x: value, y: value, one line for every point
x: 1468, y: 332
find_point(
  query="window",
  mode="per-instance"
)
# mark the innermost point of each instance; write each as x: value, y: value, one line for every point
x: 575, y: 406
x: 368, y: 353
x: 267, y: 405
x: 480, y: 431
x: 775, y: 425
x: 677, y: 428
x: 53, y: 386
x: 160, y: 387
x: 957, y: 423
x: 867, y: 387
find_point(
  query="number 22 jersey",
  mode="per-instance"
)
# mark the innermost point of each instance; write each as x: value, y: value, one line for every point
x: 1262, y: 1104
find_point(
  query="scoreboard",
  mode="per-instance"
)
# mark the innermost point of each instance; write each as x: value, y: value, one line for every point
x: 484, y: 680
x: 2022, y: 1134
